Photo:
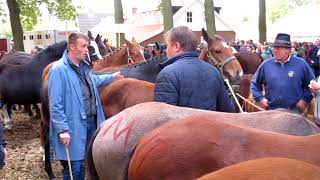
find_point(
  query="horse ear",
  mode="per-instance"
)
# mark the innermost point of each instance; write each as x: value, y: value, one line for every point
x: 134, y: 40
x: 90, y: 35
x: 205, y: 35
x: 157, y: 45
x: 127, y: 42
x: 97, y: 37
x: 105, y: 41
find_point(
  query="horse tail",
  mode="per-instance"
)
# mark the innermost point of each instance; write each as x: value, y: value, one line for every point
x: 92, y: 173
x: 45, y: 115
x: 126, y: 177
x: 44, y: 127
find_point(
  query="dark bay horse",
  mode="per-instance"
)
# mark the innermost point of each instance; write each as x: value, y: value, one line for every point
x: 115, y: 140
x: 199, y: 144
x: 20, y: 84
x: 16, y: 58
x: 267, y: 169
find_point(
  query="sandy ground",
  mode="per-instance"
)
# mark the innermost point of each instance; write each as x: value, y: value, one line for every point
x: 25, y: 159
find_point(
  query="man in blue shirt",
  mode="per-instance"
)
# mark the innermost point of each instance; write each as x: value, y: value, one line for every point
x: 187, y: 81
x: 75, y: 107
x: 285, y: 78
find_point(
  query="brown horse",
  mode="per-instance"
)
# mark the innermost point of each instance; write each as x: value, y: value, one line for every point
x: 125, y: 93
x: 249, y: 61
x: 266, y: 169
x: 116, y: 138
x: 219, y: 54
x: 130, y: 53
x: 199, y: 144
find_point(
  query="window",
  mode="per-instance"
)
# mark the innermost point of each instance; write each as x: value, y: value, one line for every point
x: 189, y: 16
x: 39, y: 36
x: 24, y: 37
x: 31, y: 37
x: 47, y: 36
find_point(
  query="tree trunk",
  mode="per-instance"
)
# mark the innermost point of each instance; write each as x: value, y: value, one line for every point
x: 210, y: 17
x: 167, y: 15
x: 262, y: 21
x: 15, y: 21
x: 118, y: 17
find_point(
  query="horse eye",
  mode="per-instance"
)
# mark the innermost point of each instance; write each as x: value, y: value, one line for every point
x: 218, y: 51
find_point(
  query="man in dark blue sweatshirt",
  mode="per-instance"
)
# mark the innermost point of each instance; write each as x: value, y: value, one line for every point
x: 286, y: 79
x: 187, y: 81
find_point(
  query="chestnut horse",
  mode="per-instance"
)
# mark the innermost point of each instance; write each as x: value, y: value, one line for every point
x: 249, y: 61
x: 128, y: 54
x: 266, y: 169
x: 109, y: 152
x: 199, y: 144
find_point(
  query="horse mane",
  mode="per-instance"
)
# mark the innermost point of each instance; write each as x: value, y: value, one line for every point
x: 53, y: 51
x: 133, y: 65
x: 110, y: 55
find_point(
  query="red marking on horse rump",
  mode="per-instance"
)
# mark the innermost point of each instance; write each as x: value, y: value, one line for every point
x: 155, y: 140
x: 117, y: 133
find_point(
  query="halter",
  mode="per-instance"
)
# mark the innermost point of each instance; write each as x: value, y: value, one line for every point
x: 220, y: 65
x: 129, y: 57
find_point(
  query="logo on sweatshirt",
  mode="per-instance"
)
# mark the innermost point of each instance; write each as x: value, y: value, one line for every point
x: 290, y: 73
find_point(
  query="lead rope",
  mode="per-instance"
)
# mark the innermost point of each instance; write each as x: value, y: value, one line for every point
x: 129, y: 57
x: 247, y: 101
x: 233, y: 95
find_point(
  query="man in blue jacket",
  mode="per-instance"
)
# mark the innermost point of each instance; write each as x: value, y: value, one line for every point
x: 286, y: 79
x: 187, y: 81
x: 75, y: 107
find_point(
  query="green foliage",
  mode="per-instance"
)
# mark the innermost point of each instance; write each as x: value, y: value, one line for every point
x: 280, y: 8
x: 30, y: 13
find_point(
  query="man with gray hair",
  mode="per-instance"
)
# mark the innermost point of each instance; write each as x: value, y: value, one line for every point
x: 187, y: 81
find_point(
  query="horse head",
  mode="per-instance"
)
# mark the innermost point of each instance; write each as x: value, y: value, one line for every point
x: 102, y: 48
x: 219, y: 54
x: 158, y: 49
x: 134, y: 51
x: 108, y: 47
x: 94, y: 52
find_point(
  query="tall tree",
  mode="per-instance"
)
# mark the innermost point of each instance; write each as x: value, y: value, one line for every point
x: 167, y: 15
x: 25, y: 14
x: 14, y: 11
x: 209, y: 16
x: 262, y: 21
x: 118, y: 19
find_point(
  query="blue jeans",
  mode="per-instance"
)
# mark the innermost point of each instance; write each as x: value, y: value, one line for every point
x: 78, y: 166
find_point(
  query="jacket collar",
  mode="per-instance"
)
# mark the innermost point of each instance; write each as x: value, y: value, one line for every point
x: 187, y: 54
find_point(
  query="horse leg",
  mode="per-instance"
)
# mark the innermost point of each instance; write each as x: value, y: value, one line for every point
x: 37, y: 109
x: 7, y: 116
x: 27, y: 109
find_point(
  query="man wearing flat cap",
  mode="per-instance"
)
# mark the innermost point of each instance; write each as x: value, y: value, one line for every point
x: 285, y: 78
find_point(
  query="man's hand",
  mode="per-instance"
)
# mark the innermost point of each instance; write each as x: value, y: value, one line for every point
x: 6, y: 155
x: 264, y: 103
x: 314, y: 86
x: 301, y: 105
x: 65, y: 138
x: 117, y: 76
